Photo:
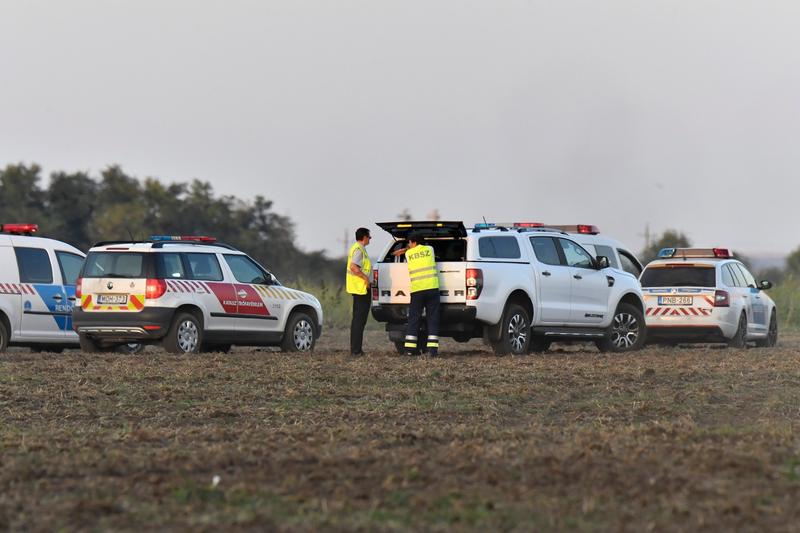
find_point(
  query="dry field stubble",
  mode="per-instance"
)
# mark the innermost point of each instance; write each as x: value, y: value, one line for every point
x: 664, y: 439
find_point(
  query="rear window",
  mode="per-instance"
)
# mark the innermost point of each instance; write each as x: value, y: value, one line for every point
x: 114, y: 265
x: 446, y: 250
x: 679, y: 276
x: 499, y: 248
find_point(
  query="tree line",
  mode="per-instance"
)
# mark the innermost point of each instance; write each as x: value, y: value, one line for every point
x: 81, y: 209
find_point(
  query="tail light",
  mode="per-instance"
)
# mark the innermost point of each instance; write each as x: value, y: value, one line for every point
x: 722, y: 299
x: 79, y: 288
x: 155, y: 288
x: 474, y: 282
x: 375, y: 284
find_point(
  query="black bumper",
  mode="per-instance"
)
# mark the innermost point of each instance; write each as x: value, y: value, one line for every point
x: 151, y: 323
x: 448, y: 313
x: 685, y: 334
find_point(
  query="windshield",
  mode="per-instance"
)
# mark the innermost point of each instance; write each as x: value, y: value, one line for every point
x: 679, y: 276
x: 114, y: 265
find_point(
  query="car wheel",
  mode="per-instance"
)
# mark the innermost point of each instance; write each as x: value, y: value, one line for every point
x: 772, y: 333
x: 739, y: 339
x: 3, y: 337
x: 515, y: 332
x: 539, y: 345
x: 627, y: 331
x: 131, y: 348
x: 185, y: 335
x: 300, y: 334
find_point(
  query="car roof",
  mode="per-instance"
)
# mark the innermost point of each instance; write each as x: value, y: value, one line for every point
x: 155, y: 247
x: 38, y: 242
x: 691, y: 261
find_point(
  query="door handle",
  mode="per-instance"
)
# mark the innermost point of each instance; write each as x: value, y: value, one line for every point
x: 577, y: 276
x: 242, y: 294
x: 72, y: 298
x: 58, y: 297
x: 546, y: 273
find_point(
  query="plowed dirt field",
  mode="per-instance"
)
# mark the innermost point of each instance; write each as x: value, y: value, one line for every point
x: 681, y: 438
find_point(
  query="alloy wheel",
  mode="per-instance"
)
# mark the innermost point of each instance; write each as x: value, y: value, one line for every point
x: 188, y: 336
x: 303, y: 335
x: 517, y: 333
x: 625, y: 330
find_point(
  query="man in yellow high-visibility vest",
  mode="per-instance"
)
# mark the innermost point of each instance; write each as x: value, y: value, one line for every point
x: 359, y: 268
x: 424, y: 278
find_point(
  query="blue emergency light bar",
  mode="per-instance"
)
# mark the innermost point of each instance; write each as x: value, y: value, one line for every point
x: 179, y: 238
x: 666, y: 252
x: 485, y: 225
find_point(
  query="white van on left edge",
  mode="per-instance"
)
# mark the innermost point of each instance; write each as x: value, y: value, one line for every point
x: 37, y: 289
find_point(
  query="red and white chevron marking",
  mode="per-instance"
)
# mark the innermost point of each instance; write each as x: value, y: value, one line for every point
x: 16, y: 288
x: 184, y: 286
x: 678, y: 311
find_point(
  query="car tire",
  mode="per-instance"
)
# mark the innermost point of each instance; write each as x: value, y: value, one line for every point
x: 772, y: 333
x: 3, y: 337
x: 539, y: 344
x: 515, y: 331
x: 627, y: 331
x: 89, y: 345
x: 131, y: 348
x: 185, y: 336
x: 300, y: 334
x: 739, y: 339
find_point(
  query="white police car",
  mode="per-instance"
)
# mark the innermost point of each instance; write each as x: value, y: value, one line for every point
x: 704, y: 295
x: 188, y: 294
x: 37, y: 289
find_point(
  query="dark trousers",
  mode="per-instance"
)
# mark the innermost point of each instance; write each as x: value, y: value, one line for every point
x: 361, y: 305
x: 428, y: 300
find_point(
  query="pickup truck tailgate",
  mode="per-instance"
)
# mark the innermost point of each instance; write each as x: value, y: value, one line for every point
x: 394, y: 285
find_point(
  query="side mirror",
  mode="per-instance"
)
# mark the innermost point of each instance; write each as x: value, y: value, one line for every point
x: 765, y: 285
x: 602, y: 262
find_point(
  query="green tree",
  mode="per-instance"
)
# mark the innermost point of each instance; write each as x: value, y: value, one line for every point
x: 669, y: 239
x: 21, y: 198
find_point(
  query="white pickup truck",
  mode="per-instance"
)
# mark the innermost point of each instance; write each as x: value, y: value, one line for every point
x: 519, y: 286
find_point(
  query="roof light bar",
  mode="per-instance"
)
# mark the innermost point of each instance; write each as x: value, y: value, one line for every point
x: 19, y: 229
x: 695, y: 253
x: 179, y: 238
x: 586, y: 229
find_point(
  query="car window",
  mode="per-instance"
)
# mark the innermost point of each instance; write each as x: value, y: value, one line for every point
x: 749, y: 280
x: 629, y: 263
x: 245, y: 270
x: 679, y: 276
x: 34, y: 265
x: 499, y: 247
x: 169, y: 265
x: 70, y: 265
x: 727, y: 278
x: 608, y: 252
x: 545, y: 250
x: 575, y: 255
x: 204, y: 267
x: 114, y: 265
x: 738, y: 278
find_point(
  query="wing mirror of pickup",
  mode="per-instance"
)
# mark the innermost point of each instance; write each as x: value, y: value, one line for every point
x: 765, y: 285
x: 602, y: 262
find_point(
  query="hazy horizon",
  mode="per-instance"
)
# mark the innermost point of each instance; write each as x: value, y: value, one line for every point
x: 676, y: 115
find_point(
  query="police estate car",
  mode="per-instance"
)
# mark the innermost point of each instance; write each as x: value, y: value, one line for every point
x: 189, y: 294
x: 704, y: 295
x: 37, y: 289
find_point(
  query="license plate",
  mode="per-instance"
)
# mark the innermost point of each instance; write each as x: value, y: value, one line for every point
x: 112, y: 299
x: 675, y: 300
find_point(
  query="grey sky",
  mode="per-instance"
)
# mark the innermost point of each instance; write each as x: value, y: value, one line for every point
x: 678, y: 114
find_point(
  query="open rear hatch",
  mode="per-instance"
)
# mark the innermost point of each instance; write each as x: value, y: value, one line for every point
x: 427, y: 228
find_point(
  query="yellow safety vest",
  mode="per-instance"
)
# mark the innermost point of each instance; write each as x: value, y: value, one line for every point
x: 422, y: 268
x: 356, y: 285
